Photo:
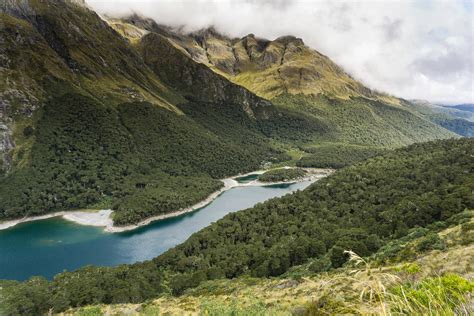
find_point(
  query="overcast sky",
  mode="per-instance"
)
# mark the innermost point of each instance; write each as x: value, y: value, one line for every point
x: 418, y: 49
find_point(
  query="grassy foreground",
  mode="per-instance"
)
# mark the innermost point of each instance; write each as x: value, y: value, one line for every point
x: 434, y: 282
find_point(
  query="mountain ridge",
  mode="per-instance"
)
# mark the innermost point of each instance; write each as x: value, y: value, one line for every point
x: 237, y: 58
x: 139, y: 114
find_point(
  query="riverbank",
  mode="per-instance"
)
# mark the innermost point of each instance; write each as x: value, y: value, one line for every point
x: 103, y: 218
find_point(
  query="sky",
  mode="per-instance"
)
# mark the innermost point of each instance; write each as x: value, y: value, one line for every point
x: 414, y: 49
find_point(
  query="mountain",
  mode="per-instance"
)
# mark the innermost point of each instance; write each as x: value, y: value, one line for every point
x: 457, y: 120
x: 463, y: 107
x: 268, y: 68
x: 297, y: 79
x: 113, y: 114
x: 407, y: 268
x: 86, y: 122
x: 388, y: 209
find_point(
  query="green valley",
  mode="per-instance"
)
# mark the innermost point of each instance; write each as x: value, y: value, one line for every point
x: 131, y: 121
x: 122, y: 129
x: 405, y: 194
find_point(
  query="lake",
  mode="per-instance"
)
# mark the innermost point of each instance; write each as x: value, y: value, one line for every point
x: 50, y: 246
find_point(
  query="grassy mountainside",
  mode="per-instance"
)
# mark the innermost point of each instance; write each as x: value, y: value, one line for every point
x: 458, y: 120
x: 90, y: 121
x: 360, y: 121
x: 112, y: 114
x: 437, y: 279
x: 401, y: 195
x: 298, y: 80
x: 57, y: 47
x: 268, y: 68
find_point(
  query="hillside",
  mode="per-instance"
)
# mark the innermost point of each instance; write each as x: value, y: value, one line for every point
x: 109, y: 114
x: 442, y: 273
x: 268, y: 68
x: 372, y: 207
x: 458, y: 119
x: 86, y: 122
x: 463, y: 107
x: 297, y: 79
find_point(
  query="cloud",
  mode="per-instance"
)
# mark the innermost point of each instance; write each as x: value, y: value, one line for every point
x: 413, y: 49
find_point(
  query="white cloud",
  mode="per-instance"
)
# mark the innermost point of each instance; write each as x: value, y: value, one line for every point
x: 413, y: 49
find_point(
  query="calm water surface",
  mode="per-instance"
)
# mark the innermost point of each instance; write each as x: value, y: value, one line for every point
x: 51, y: 246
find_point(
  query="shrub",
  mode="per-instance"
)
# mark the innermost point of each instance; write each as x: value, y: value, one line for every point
x: 320, y: 265
x: 431, y: 242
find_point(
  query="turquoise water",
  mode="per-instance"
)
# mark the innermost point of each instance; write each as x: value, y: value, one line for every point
x: 50, y: 246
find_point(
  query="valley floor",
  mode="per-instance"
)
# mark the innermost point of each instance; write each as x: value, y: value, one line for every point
x: 104, y: 218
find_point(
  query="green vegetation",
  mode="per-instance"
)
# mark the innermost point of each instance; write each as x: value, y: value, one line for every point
x: 456, y: 125
x: 283, y: 174
x: 140, y: 159
x: 441, y: 294
x: 359, y: 208
x: 361, y: 121
x: 336, y: 155
x: 432, y: 283
x: 97, y: 122
x: 457, y: 120
x: 100, y: 122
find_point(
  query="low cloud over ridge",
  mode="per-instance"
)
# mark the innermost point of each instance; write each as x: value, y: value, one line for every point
x: 413, y: 49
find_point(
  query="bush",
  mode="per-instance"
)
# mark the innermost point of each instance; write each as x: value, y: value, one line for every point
x: 431, y: 242
x: 28, y: 131
x: 320, y: 265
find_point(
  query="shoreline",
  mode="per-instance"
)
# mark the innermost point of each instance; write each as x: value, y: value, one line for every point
x: 103, y: 218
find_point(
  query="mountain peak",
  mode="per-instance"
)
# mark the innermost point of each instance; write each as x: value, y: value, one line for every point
x: 290, y: 39
x: 208, y: 32
x: 268, y: 68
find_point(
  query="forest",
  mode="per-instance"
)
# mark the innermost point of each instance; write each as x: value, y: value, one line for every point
x: 336, y: 155
x: 282, y: 174
x: 360, y: 208
x: 138, y: 158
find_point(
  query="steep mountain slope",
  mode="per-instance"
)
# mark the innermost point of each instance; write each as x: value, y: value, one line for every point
x: 298, y: 79
x: 427, y: 263
x: 87, y: 123
x: 110, y: 114
x: 458, y: 120
x: 268, y: 68
x: 379, y: 205
x: 54, y: 47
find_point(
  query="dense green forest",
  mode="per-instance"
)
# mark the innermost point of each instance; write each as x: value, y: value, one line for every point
x: 457, y: 125
x: 139, y: 158
x: 336, y: 155
x: 282, y: 174
x: 361, y: 208
x: 360, y: 121
x: 95, y: 119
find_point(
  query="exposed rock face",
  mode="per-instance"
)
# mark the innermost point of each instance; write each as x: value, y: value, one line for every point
x: 17, y: 8
x: 6, y: 145
x: 196, y: 80
x: 267, y: 68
